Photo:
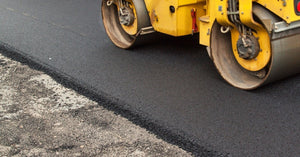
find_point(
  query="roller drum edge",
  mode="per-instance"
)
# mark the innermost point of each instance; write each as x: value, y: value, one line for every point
x: 286, y: 57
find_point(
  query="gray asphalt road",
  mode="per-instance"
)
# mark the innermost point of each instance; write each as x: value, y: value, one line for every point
x: 169, y: 81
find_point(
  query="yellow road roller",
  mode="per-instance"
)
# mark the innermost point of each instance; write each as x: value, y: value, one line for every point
x: 251, y: 42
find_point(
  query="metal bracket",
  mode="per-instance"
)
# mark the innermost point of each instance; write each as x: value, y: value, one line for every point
x: 283, y: 26
x: 246, y: 17
x: 222, y: 14
x: 146, y: 30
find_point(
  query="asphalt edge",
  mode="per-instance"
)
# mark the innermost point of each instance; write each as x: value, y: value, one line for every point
x: 112, y: 104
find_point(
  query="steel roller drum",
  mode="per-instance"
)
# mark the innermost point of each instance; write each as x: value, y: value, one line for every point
x: 285, y: 47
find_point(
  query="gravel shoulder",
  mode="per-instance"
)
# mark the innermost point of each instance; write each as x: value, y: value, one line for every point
x: 39, y: 117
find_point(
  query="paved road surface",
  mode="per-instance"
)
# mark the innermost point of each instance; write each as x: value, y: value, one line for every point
x: 169, y: 81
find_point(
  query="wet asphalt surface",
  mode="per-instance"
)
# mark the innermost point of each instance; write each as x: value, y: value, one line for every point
x: 167, y: 82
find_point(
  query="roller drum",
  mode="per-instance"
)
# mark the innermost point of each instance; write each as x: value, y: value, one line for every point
x: 116, y: 28
x: 285, y: 58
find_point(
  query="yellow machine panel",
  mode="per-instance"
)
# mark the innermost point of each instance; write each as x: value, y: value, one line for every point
x: 177, y: 22
x: 282, y: 8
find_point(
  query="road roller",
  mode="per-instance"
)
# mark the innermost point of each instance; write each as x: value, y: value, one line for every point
x: 251, y: 42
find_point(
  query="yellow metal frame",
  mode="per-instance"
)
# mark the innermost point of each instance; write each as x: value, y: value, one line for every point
x: 178, y: 23
x: 263, y: 58
x: 282, y: 8
x: 209, y: 11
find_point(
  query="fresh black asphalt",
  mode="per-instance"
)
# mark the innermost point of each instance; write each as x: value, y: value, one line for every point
x: 169, y: 81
